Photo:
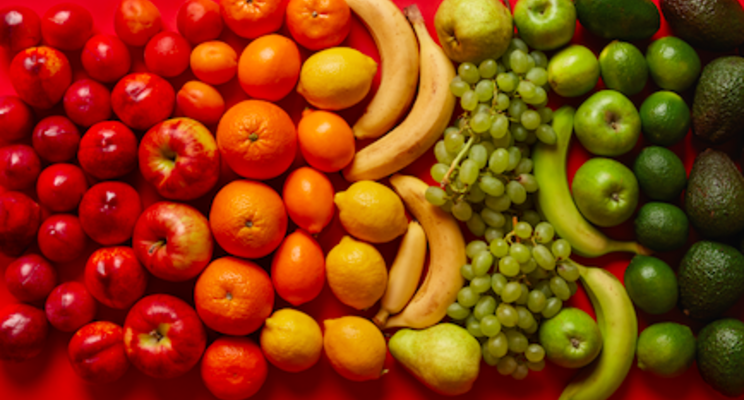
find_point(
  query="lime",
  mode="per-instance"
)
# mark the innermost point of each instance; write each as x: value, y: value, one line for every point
x: 651, y: 284
x: 665, y: 118
x: 666, y: 349
x: 661, y: 226
x: 660, y: 173
x: 623, y: 68
x: 674, y: 64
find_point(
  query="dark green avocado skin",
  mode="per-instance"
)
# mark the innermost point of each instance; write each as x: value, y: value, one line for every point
x: 719, y: 100
x: 720, y: 356
x: 619, y: 19
x: 716, y: 25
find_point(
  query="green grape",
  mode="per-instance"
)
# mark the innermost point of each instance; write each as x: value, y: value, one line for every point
x: 453, y: 141
x: 505, y: 58
x: 475, y: 247
x: 482, y: 108
x: 516, y: 341
x: 462, y: 211
x: 537, y: 367
x: 530, y: 216
x: 520, y: 44
x: 481, y: 284
x: 520, y: 372
x: 536, y: 301
x: 498, y: 282
x: 530, y: 139
x: 530, y: 62
x: 480, y: 122
x: 479, y: 154
x: 467, y: 297
x: 450, y: 129
x: 524, y: 167
x: 487, y: 357
x: 544, y: 286
x: 498, y: 346
x: 526, y: 319
x: 559, y: 288
x: 528, y: 182
x: 511, y: 292
x: 476, y: 225
x: 441, y: 153
x: 488, y: 68
x: 530, y: 119
x: 534, y: 353
x: 500, y: 67
x: 532, y: 329
x: 499, y: 248
x: 468, y: 72
x: 458, y: 87
x: 493, y: 234
x: 541, y: 60
x: 527, y: 90
x: 507, y: 315
x: 520, y: 252
x: 538, y: 76
x: 528, y: 267
x: 468, y: 172
x: 469, y: 100
x: 499, y: 126
x: 476, y: 195
x: 515, y: 156
x: 546, y: 114
x: 544, y: 232
x: 507, y: 81
x: 516, y: 108
x: 516, y: 192
x: 569, y: 272
x: 504, y: 142
x: 491, y: 186
x: 473, y: 326
x: 482, y: 262
x: 522, y: 300
x: 488, y: 146
x: 502, y: 102
x: 499, y: 161
x: 519, y: 132
x: 447, y: 207
x: 561, y: 249
x: 523, y: 230
x: 484, y: 89
x: 493, y: 218
x: 507, y: 365
x: 540, y: 97
x: 438, y: 171
x: 572, y: 286
x: 457, y: 312
x: 436, y: 195
x: 467, y: 271
x: 552, y: 307
x: 543, y: 257
x: 518, y: 61
x: 490, y: 325
x: 508, y: 266
x: 485, y: 306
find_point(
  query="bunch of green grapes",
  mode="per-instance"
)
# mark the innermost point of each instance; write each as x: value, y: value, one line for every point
x: 512, y: 284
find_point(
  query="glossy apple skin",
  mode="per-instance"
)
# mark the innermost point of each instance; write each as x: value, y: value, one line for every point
x: 106, y: 58
x: 70, y: 306
x: 199, y: 20
x: 108, y: 212
x: 158, y: 317
x: 87, y: 102
x: 136, y: 21
x: 61, y: 186
x: 19, y: 166
x: 167, y: 54
x: 23, y: 332
x: 197, y: 162
x: 66, y: 26
x: 56, y: 139
x: 96, y: 352
x: 16, y: 118
x: 173, y: 241
x: 108, y: 150
x: 40, y: 76
x: 115, y: 277
x: 30, y: 278
x: 200, y: 101
x: 142, y: 99
x: 20, y: 28
x: 61, y: 238
x: 20, y: 218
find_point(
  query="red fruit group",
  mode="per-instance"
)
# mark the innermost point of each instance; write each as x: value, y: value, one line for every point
x: 97, y: 354
x: 16, y: 119
x: 20, y: 218
x: 108, y: 150
x: 61, y: 238
x: 106, y: 58
x: 108, y: 212
x: 30, y: 278
x: 115, y: 277
x: 61, y: 186
x: 56, y: 139
x: 167, y: 54
x: 136, y: 21
x: 87, y: 102
x: 41, y: 76
x: 199, y: 20
x: 70, y: 306
x: 66, y: 26
x: 19, y: 166
x: 142, y: 99
x: 23, y: 332
x: 20, y: 28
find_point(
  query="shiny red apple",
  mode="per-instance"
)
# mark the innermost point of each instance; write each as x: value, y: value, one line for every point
x: 108, y: 150
x: 56, y: 139
x: 23, y: 332
x: 40, y: 76
x: 115, y: 277
x: 30, y: 278
x: 20, y: 28
x: 20, y: 218
x: 87, y: 102
x: 16, y: 119
x: 70, y: 306
x: 108, y: 212
x: 61, y: 238
x: 96, y: 352
x: 61, y: 186
x: 66, y: 26
x: 19, y: 166
x: 167, y: 54
x: 142, y: 99
x: 106, y: 58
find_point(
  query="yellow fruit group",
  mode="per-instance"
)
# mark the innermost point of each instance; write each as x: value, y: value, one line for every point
x: 291, y: 340
x: 355, y: 347
x: 356, y: 273
x: 371, y: 211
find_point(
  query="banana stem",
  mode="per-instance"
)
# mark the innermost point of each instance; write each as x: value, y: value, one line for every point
x: 456, y: 161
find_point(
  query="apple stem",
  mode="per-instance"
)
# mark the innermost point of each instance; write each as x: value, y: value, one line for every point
x: 456, y: 162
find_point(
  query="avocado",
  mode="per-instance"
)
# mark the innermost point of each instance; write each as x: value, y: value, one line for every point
x: 624, y: 20
x: 719, y: 99
x: 714, y: 199
x: 716, y: 25
x: 720, y: 356
x: 710, y: 279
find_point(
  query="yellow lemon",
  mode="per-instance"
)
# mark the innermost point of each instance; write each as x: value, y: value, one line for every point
x: 291, y: 340
x: 355, y: 348
x: 336, y: 78
x: 371, y: 211
x: 356, y: 273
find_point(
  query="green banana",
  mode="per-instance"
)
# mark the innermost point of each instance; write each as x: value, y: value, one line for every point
x: 554, y: 198
x: 618, y: 324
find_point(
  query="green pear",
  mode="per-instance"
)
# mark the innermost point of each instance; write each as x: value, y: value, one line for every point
x: 444, y: 357
x: 473, y: 30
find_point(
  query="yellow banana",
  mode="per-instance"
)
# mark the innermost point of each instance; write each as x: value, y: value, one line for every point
x: 399, y: 60
x: 618, y: 324
x: 554, y: 198
x: 404, y: 274
x: 447, y: 255
x: 430, y: 114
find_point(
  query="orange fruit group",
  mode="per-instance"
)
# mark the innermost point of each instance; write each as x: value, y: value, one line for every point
x: 248, y: 219
x: 308, y: 197
x: 298, y: 268
x: 318, y: 24
x: 233, y: 296
x: 326, y: 140
x: 214, y: 62
x: 269, y: 67
x: 233, y: 368
x: 253, y: 18
x: 257, y: 139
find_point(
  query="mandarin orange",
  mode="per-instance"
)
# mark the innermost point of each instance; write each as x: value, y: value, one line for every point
x: 308, y: 197
x: 253, y: 18
x: 269, y: 67
x: 326, y: 140
x: 318, y: 24
x: 214, y: 62
x: 233, y: 368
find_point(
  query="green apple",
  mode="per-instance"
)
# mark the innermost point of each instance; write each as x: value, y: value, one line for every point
x: 573, y: 71
x: 473, y: 30
x: 605, y: 191
x: 545, y: 24
x: 571, y: 339
x: 607, y: 124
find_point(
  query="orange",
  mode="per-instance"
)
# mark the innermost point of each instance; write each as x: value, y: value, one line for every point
x: 318, y: 24
x: 214, y: 62
x: 257, y: 139
x: 253, y: 18
x: 298, y: 268
x: 308, y: 196
x: 248, y: 219
x: 201, y: 102
x: 326, y: 140
x: 233, y: 296
x: 233, y: 368
x: 269, y: 67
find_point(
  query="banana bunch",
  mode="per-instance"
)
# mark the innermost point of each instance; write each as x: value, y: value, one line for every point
x: 554, y: 198
x: 431, y: 111
x: 618, y: 324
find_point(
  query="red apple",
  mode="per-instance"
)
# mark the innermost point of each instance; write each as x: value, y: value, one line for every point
x: 142, y: 99
x: 66, y: 26
x: 180, y: 158
x: 40, y: 76
x: 87, y: 102
x: 96, y: 352
x: 167, y: 54
x: 23, y: 332
x: 61, y: 238
x: 115, y: 277
x: 108, y: 150
x: 56, y: 139
x: 106, y: 58
x: 70, y: 306
x: 108, y: 212
x: 19, y: 166
x: 30, y: 278
x: 199, y: 20
x: 16, y: 119
x: 61, y: 186
x: 173, y: 241
x: 20, y: 28
x: 163, y: 336
x: 136, y: 21
x: 20, y: 218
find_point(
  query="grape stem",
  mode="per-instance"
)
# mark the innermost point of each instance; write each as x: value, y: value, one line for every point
x: 456, y: 161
